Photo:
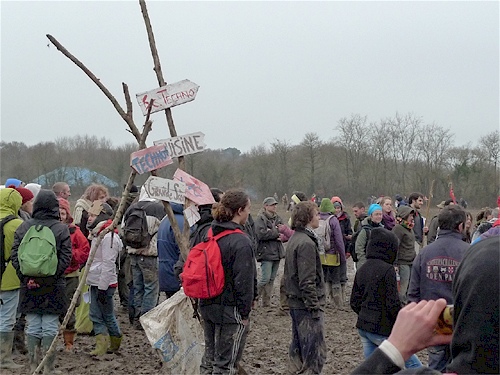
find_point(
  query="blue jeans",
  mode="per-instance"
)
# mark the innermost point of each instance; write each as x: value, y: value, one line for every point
x: 371, y: 341
x: 39, y: 325
x: 146, y: 285
x: 404, y: 274
x: 269, y: 270
x: 438, y: 357
x: 102, y: 313
x: 8, y: 309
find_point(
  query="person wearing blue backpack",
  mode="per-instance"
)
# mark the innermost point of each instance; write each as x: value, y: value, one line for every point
x: 43, y: 296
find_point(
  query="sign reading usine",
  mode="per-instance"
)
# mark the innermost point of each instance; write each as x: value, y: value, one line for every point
x: 184, y: 144
x: 168, y: 96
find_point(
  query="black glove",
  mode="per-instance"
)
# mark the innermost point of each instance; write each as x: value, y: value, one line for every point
x: 101, y: 296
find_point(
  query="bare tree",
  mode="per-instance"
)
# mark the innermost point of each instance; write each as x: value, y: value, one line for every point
x: 282, y: 151
x: 310, y: 146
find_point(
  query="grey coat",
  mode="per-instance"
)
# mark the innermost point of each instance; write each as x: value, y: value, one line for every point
x: 269, y: 247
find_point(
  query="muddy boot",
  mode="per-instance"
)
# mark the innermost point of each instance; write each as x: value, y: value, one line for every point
x: 342, y: 292
x: 266, y: 296
x: 49, y: 367
x: 101, y: 345
x: 115, y: 343
x: 337, y: 300
x: 69, y: 339
x: 19, y: 345
x: 328, y: 293
x: 34, y: 344
x: 6, y: 342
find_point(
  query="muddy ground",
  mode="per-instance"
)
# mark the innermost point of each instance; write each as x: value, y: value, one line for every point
x: 265, y: 351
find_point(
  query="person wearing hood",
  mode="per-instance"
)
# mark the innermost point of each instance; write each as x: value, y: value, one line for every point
x: 226, y: 316
x: 434, y: 269
x: 43, y: 299
x: 406, y: 252
x: 373, y: 220
x: 474, y: 343
x: 332, y: 274
x: 144, y: 260
x: 34, y: 188
x: 94, y: 192
x: 103, y: 279
x: 168, y: 250
x: 269, y: 248
x: 374, y: 296
x: 10, y: 203
x: 80, y: 252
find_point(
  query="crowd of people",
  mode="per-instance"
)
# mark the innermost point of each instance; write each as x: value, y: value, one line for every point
x: 407, y: 271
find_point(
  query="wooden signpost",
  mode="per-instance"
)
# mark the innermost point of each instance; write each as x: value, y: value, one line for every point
x: 165, y: 189
x: 150, y: 159
x: 168, y: 96
x: 184, y: 144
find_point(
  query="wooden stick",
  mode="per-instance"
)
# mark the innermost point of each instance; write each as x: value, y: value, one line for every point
x: 431, y: 195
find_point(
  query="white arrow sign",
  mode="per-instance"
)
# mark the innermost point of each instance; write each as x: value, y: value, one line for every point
x: 168, y: 96
x: 165, y: 189
x: 183, y: 145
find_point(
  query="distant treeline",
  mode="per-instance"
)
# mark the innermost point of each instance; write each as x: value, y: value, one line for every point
x: 358, y: 159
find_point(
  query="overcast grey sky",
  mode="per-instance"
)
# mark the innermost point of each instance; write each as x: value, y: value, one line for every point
x: 266, y: 70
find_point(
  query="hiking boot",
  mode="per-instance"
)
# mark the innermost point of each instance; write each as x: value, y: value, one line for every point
x: 101, y: 345
x: 6, y: 342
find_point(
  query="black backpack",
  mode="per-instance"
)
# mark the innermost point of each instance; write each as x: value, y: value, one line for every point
x: 352, y: 245
x: 135, y: 231
x: 3, y: 261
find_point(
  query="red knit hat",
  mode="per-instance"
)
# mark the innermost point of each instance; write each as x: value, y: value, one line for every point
x: 26, y: 194
x: 64, y: 204
x: 336, y: 199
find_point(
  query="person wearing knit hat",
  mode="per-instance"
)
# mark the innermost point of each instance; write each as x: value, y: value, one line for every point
x: 346, y: 229
x: 34, y: 188
x: 373, y: 220
x: 80, y: 249
x: 406, y: 252
x: 103, y: 280
x: 374, y: 296
x: 27, y: 204
x: 13, y: 181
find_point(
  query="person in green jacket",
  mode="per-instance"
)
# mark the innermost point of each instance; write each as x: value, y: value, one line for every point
x: 10, y: 203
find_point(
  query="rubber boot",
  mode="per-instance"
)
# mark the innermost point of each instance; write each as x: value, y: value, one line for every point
x: 266, y: 296
x: 19, y: 345
x: 337, y: 300
x: 34, y: 344
x: 342, y: 287
x: 69, y: 339
x: 115, y: 343
x: 328, y: 293
x: 49, y: 367
x: 101, y: 344
x: 6, y: 342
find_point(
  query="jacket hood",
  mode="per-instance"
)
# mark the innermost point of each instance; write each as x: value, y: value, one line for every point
x: 10, y: 202
x: 405, y: 211
x: 177, y: 208
x: 205, y: 215
x: 46, y: 206
x: 383, y: 245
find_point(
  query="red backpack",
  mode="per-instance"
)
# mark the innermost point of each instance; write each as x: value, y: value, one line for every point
x: 203, y: 274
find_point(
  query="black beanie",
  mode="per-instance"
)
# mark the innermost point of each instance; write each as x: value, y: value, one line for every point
x: 383, y: 244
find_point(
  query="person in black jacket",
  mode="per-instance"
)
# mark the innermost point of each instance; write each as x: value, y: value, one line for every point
x: 43, y: 299
x: 374, y: 294
x: 226, y: 316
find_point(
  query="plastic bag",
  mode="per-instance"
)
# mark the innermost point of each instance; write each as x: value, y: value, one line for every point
x: 175, y: 334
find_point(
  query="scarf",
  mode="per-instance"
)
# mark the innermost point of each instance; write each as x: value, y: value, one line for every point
x: 388, y: 220
x: 80, y: 206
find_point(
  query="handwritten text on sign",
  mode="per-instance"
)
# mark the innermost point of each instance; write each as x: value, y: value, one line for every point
x: 168, y: 96
x: 149, y: 159
x: 184, y: 144
x: 196, y: 190
x: 165, y: 190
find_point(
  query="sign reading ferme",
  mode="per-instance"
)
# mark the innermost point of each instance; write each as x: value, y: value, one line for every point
x: 184, y: 144
x: 168, y: 96
x: 165, y: 189
x: 149, y: 159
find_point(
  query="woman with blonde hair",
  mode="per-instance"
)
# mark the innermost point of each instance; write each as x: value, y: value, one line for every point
x: 388, y: 217
x: 94, y: 192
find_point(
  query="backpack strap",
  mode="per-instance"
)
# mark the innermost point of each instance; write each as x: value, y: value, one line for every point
x: 222, y: 234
